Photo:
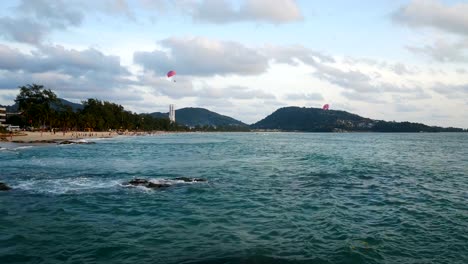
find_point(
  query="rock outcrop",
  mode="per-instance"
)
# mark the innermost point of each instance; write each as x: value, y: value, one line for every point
x: 187, y: 179
x: 4, y: 187
x: 67, y: 142
x: 161, y: 184
x: 146, y: 183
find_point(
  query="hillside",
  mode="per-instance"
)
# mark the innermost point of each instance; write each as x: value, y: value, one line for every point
x: 192, y: 117
x: 14, y: 108
x: 318, y: 120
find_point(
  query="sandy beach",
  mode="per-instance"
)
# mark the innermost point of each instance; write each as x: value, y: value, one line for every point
x: 50, y: 137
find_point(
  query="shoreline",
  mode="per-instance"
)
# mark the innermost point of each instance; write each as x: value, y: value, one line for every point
x: 57, y: 137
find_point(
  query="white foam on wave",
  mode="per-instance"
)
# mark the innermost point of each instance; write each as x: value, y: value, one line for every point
x: 85, y: 184
x: 21, y: 147
x: 96, y: 139
x: 66, y: 185
x: 171, y: 181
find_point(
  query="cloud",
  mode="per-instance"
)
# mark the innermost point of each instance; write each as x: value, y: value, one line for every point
x: 223, y: 11
x: 22, y: 30
x: 397, y: 68
x: 303, y: 96
x: 34, y: 20
x: 401, y: 69
x: 444, y: 51
x: 54, y: 13
x: 434, y: 14
x: 294, y: 53
x: 161, y: 86
x: 363, y: 97
x: 71, y: 73
x: 406, y: 108
x: 453, y: 91
x: 362, y: 86
x: 235, y: 92
x: 184, y: 87
x: 202, y: 57
x: 59, y: 59
x: 350, y: 80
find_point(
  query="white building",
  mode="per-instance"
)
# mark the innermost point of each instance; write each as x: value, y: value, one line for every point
x: 2, y: 115
x: 171, y: 113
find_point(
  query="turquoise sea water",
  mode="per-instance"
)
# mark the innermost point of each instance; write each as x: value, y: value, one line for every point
x: 270, y: 198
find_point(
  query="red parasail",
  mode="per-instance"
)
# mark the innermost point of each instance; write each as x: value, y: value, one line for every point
x: 170, y: 74
x: 325, y: 107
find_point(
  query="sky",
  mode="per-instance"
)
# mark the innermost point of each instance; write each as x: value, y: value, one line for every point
x: 401, y: 60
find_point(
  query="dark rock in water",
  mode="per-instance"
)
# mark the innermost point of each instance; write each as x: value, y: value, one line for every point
x: 187, y: 179
x: 137, y: 182
x: 146, y: 183
x: 66, y: 142
x: 157, y: 185
x: 4, y: 187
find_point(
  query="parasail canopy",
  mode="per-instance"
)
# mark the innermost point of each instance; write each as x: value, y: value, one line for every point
x: 170, y: 74
x: 326, y: 107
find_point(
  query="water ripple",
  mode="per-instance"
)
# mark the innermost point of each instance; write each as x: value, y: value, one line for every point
x: 273, y: 198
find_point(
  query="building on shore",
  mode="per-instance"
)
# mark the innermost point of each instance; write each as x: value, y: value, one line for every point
x: 171, y: 113
x: 2, y: 115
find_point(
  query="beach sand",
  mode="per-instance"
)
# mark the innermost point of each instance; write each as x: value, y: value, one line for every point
x: 49, y: 137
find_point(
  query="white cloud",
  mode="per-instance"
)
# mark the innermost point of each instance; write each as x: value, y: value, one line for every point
x: 59, y: 59
x: 444, y: 51
x: 22, y: 30
x: 203, y: 57
x: 234, y: 92
x: 304, y: 96
x: 292, y: 54
x: 452, y: 90
x: 434, y: 14
x: 54, y: 13
x: 223, y: 11
x: 34, y: 20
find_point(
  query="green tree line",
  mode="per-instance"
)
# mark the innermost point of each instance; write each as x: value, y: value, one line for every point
x: 41, y: 109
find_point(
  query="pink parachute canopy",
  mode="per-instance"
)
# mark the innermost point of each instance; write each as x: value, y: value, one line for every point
x: 170, y: 74
x: 325, y: 107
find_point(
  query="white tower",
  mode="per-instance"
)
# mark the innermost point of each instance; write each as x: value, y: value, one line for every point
x: 171, y: 113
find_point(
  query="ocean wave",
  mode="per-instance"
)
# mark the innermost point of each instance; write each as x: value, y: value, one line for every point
x: 156, y: 183
x: 15, y: 148
x: 67, y: 185
x: 87, y: 184
x: 21, y: 147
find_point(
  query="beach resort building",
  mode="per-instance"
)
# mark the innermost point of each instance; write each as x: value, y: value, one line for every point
x: 171, y: 113
x: 2, y: 115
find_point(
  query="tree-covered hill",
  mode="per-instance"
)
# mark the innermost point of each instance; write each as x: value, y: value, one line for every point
x: 193, y: 117
x: 318, y: 120
x: 61, y: 102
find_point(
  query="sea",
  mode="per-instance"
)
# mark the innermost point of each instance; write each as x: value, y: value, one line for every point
x: 267, y: 198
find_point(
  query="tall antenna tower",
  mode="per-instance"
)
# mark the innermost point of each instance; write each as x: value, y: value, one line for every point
x: 171, y: 113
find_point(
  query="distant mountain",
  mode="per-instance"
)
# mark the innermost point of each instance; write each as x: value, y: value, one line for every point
x: 192, y: 117
x: 318, y: 120
x: 75, y: 107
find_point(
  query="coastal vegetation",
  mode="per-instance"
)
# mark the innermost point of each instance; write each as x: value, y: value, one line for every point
x: 39, y: 108
x: 200, y: 119
x: 318, y: 120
